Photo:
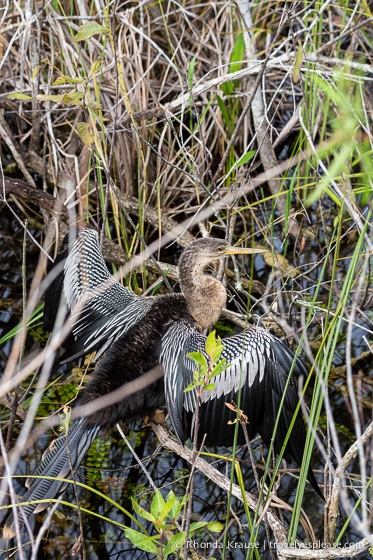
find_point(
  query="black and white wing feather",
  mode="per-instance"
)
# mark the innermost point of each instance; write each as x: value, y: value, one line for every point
x: 256, y: 381
x: 102, y: 310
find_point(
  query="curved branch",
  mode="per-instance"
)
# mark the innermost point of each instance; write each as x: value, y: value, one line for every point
x: 222, y: 481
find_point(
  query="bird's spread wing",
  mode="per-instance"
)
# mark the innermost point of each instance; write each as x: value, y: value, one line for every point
x: 180, y: 339
x: 255, y: 381
x: 102, y: 310
x: 261, y: 380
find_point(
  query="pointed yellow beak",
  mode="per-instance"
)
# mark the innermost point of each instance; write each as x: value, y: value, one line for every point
x: 244, y: 250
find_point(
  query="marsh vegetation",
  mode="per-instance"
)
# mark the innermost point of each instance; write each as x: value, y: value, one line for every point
x: 157, y: 122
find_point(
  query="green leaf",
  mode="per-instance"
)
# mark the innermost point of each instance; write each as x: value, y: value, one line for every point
x: 167, y: 508
x: 62, y: 80
x: 237, y: 53
x: 157, y: 505
x: 216, y: 353
x: 215, y: 527
x: 214, y: 348
x: 74, y: 98
x: 170, y: 495
x: 298, y: 63
x: 141, y: 541
x: 222, y: 106
x: 211, y: 343
x: 209, y: 387
x: 87, y: 30
x: 245, y: 158
x: 94, y: 68
x: 195, y: 526
x: 174, y: 545
x: 227, y: 88
x: 190, y: 387
x: 35, y: 72
x: 19, y: 95
x: 177, y: 504
x: 236, y: 63
x: 65, y: 419
x: 198, y: 358
x: 57, y: 98
x: 142, y: 512
x: 85, y: 133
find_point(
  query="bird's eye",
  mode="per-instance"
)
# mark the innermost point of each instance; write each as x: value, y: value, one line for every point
x: 221, y: 248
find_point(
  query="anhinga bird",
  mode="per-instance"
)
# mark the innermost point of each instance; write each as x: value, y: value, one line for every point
x: 136, y: 333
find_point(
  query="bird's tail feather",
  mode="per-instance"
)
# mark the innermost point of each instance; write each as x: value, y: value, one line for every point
x: 60, y: 461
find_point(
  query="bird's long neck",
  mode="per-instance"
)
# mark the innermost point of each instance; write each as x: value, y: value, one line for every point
x: 205, y: 295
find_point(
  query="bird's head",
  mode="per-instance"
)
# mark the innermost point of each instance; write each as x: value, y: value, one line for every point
x: 207, y: 250
x: 206, y: 296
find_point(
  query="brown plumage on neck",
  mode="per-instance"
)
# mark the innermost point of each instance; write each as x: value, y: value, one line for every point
x: 205, y: 295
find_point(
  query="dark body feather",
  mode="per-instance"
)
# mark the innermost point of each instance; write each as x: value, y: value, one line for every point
x: 134, y: 334
x: 139, y: 350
